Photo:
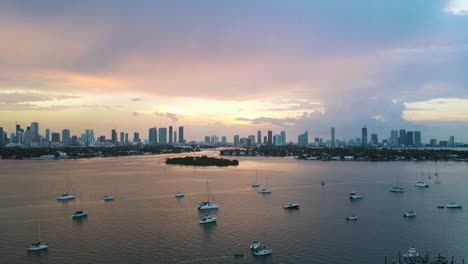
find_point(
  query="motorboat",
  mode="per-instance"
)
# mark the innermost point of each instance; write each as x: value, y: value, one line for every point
x: 291, y: 206
x: 265, y: 191
x: 412, y: 253
x: 441, y: 206
x: 255, y: 245
x: 352, y: 218
x: 421, y: 184
x: 208, y: 219
x: 262, y: 252
x: 396, y: 189
x: 179, y: 195
x: 454, y: 205
x: 208, y: 205
x: 355, y: 195
x: 39, y: 245
x: 65, y: 197
x: 409, y: 214
x: 109, y: 198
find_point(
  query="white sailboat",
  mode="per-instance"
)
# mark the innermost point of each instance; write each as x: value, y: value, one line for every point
x: 266, y: 190
x: 421, y: 184
x: 397, y: 189
x: 80, y: 213
x: 208, y: 204
x: 256, y: 184
x: 66, y: 196
x: 39, y: 245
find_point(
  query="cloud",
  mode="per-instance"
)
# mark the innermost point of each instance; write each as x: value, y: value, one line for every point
x: 170, y: 116
x: 18, y: 97
x: 457, y: 7
x: 135, y: 113
x: 136, y: 99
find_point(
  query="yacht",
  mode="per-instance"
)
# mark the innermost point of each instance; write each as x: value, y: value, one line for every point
x: 208, y: 219
x: 108, y: 198
x: 265, y: 190
x: 351, y: 218
x: 291, y: 206
x: 355, y: 195
x: 255, y: 245
x: 453, y: 205
x: 208, y: 205
x: 262, y: 252
x: 397, y: 188
x: 39, y: 245
x: 421, y: 184
x: 409, y: 214
x: 179, y: 195
x: 256, y: 184
x: 66, y: 196
x: 80, y: 213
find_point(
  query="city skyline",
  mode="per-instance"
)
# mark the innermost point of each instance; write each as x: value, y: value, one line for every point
x: 239, y: 66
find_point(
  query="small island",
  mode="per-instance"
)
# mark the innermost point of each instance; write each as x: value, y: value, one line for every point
x: 202, y: 161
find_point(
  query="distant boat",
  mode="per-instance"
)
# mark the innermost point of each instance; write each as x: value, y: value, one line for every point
x: 397, y: 188
x: 352, y: 218
x: 411, y: 254
x: 109, y: 198
x: 454, y: 205
x: 263, y: 252
x: 256, y: 184
x: 436, y: 174
x: 208, y: 219
x: 266, y: 190
x: 39, y: 245
x: 291, y: 206
x: 355, y: 195
x: 208, y: 204
x: 421, y: 184
x: 80, y: 213
x: 409, y: 214
x: 323, y: 183
x: 441, y: 206
x: 66, y: 196
x: 255, y: 245
x: 179, y: 195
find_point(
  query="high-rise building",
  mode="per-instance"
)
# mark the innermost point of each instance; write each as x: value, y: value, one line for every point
x: 122, y: 138
x: 364, y: 136
x: 1, y: 137
x: 402, y: 138
x: 283, y: 137
x: 394, y: 138
x: 74, y: 140
x: 265, y: 140
x: 102, y: 139
x: 303, y: 139
x: 126, y: 138
x: 136, y: 137
x: 55, y: 137
x: 374, y: 139
x: 47, y: 135
x: 270, y: 137
x: 452, y: 141
x: 259, y: 137
x: 162, y: 137
x: 417, y: 138
x: 170, y: 134
x: 433, y: 142
x: 236, y: 140
x: 409, y: 138
x: 181, y: 135
x: 175, y: 136
x: 252, y: 139
x: 66, y: 137
x: 207, y: 140
x: 34, y: 132
x: 114, y: 136
x: 214, y: 140
x: 88, y: 136
x: 332, y: 131
x: 152, y: 136
x: 223, y: 140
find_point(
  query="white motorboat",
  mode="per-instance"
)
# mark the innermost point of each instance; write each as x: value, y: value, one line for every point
x: 352, y: 218
x: 66, y: 196
x: 255, y: 245
x: 80, y: 213
x: 291, y: 206
x: 454, y: 205
x: 39, y: 245
x: 355, y: 195
x: 409, y: 214
x: 262, y: 252
x: 208, y: 205
x: 208, y: 219
x: 109, y: 198
x: 179, y: 195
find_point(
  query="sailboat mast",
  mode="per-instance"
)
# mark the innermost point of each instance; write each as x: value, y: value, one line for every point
x: 39, y: 232
x: 68, y: 185
x: 208, y: 191
x: 81, y: 200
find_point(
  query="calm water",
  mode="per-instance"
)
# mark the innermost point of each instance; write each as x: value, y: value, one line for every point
x: 146, y: 224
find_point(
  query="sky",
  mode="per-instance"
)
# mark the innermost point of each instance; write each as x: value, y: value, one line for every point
x: 235, y: 67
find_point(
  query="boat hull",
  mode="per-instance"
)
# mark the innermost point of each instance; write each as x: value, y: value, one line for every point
x: 79, y: 215
x: 263, y: 252
x: 209, y: 221
x: 208, y: 207
x: 38, y: 247
x: 65, y: 197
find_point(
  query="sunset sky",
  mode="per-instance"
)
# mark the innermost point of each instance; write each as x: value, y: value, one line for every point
x: 235, y: 67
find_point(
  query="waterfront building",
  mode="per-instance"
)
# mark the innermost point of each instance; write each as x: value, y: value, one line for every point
x: 409, y: 138
x: 402, y: 138
x: 332, y: 131
x: 259, y: 137
x: 252, y: 139
x: 55, y: 137
x: 34, y: 132
x: 417, y: 138
x: 394, y: 138
x: 283, y: 137
x: 122, y: 138
x: 181, y: 135
x: 207, y: 140
x: 270, y: 137
x: 303, y: 139
x: 236, y: 140
x: 126, y: 138
x: 136, y: 137
x: 170, y: 135
x: 114, y: 136
x: 364, y: 136
x: 152, y: 136
x: 224, y: 140
x: 2, y: 141
x: 433, y: 142
x: 66, y: 137
x: 452, y: 141
x: 162, y: 137
x: 47, y: 134
x: 374, y: 139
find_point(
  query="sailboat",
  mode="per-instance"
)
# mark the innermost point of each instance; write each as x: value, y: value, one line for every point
x: 80, y: 213
x: 39, y: 245
x: 421, y: 184
x: 436, y: 174
x: 397, y: 189
x: 66, y: 196
x: 266, y: 190
x: 256, y: 184
x: 208, y: 205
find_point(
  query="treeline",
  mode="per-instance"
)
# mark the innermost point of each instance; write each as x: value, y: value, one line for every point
x: 202, y: 161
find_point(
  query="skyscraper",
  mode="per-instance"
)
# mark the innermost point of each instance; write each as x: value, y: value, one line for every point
x: 452, y: 141
x: 270, y: 137
x: 409, y: 138
x: 122, y: 138
x: 394, y: 138
x: 47, y: 134
x: 136, y: 137
x: 152, y: 136
x: 374, y: 139
x: 1, y: 136
x: 252, y: 139
x: 126, y: 138
x: 170, y: 135
x: 162, y: 137
x: 223, y: 140
x: 283, y: 137
x: 114, y: 136
x: 207, y: 140
x: 181, y: 134
x: 402, y: 138
x: 303, y: 139
x: 332, y: 136
x: 175, y: 137
x: 417, y: 138
x: 259, y: 137
x: 236, y: 140
x: 55, y: 137
x: 34, y: 132
x: 364, y: 136
x: 66, y: 138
